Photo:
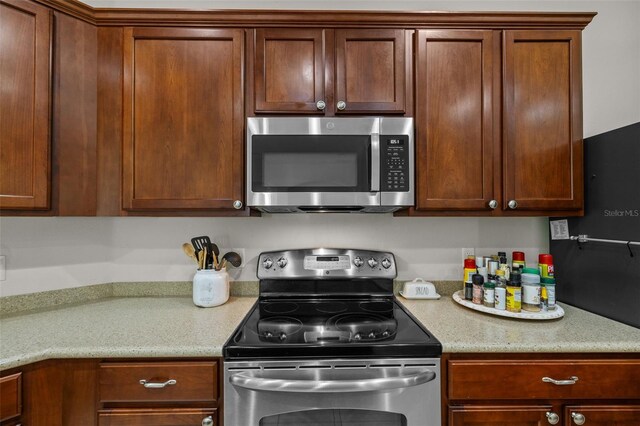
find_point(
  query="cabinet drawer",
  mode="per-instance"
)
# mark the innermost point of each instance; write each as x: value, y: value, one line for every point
x: 165, y: 381
x: 10, y: 396
x: 523, y: 379
x: 156, y: 417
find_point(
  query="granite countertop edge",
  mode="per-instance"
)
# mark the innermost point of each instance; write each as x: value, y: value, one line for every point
x: 154, y: 327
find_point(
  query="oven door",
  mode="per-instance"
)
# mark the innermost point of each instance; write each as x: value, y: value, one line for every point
x: 329, y: 393
x: 313, y: 163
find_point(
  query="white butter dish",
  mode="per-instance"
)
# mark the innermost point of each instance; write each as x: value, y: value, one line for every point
x: 419, y: 289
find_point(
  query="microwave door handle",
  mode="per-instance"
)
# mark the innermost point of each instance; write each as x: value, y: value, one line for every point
x: 330, y: 386
x: 375, y: 162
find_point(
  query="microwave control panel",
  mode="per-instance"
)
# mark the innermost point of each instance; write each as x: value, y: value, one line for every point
x: 394, y: 163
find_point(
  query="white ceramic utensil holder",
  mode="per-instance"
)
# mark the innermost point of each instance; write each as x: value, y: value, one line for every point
x: 210, y: 288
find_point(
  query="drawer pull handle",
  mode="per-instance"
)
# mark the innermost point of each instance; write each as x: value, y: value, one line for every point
x: 570, y: 381
x: 207, y: 421
x: 155, y: 385
x: 578, y: 418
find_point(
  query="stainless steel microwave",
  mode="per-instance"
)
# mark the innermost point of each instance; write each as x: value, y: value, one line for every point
x: 302, y: 164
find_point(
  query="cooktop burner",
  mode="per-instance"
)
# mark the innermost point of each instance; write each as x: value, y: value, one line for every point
x: 338, y: 321
x: 328, y: 303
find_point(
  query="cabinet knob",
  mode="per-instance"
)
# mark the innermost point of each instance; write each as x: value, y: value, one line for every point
x: 207, y: 421
x: 552, y: 418
x: 237, y: 204
x: 321, y: 105
x: 493, y: 204
x: 513, y: 204
x: 341, y: 105
x: 578, y: 418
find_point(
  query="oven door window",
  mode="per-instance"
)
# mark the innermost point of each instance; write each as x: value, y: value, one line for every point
x: 335, y: 418
x: 310, y: 163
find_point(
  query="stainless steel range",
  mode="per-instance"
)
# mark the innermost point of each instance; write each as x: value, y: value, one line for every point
x: 327, y: 344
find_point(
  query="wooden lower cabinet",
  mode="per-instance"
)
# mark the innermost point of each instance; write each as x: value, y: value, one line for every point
x: 602, y: 415
x: 93, y: 392
x: 541, y: 389
x: 158, y: 417
x: 481, y: 415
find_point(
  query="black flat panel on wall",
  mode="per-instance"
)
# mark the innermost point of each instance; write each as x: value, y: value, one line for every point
x: 601, y: 277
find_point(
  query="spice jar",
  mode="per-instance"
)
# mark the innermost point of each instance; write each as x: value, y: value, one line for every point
x: 545, y: 265
x: 548, y: 293
x: 469, y: 270
x: 489, y: 294
x: 500, y: 292
x: 468, y: 291
x: 531, y: 290
x: 517, y: 260
x: 478, y: 288
x: 514, y: 293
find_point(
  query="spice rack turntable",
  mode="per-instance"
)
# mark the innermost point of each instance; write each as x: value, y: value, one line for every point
x: 557, y: 313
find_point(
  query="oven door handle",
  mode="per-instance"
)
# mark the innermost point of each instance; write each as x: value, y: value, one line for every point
x: 375, y: 162
x: 330, y: 386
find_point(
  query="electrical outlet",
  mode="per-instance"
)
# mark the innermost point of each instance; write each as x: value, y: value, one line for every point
x: 466, y: 252
x: 3, y: 268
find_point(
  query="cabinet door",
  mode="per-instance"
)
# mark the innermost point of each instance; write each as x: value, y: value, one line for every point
x: 25, y: 52
x: 289, y: 70
x: 157, y: 417
x: 605, y: 415
x: 370, y: 71
x: 479, y: 415
x: 455, y: 122
x: 543, y: 120
x: 183, y: 118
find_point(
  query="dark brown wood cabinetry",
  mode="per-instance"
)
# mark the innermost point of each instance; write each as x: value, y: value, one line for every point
x: 91, y: 392
x: 543, y: 159
x: 10, y: 396
x: 158, y: 393
x: 542, y: 390
x: 183, y: 118
x: 477, y: 152
x: 25, y: 105
x: 455, y: 120
x: 117, y: 112
x: 327, y: 71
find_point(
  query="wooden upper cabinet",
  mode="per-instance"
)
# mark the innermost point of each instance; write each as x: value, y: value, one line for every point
x: 310, y: 71
x: 543, y: 154
x: 183, y: 118
x: 370, y: 71
x: 289, y: 70
x: 455, y: 92
x: 25, y: 52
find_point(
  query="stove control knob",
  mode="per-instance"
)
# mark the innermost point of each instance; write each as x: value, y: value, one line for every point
x: 267, y: 263
x: 372, y: 335
x: 282, y: 262
x: 386, y: 263
x: 268, y: 334
x: 372, y: 263
x: 385, y: 333
x: 358, y: 261
x: 282, y: 337
x: 357, y: 336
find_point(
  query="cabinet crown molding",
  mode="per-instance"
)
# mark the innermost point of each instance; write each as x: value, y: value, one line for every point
x: 320, y: 18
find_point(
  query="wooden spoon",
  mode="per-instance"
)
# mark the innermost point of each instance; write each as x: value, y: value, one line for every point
x: 190, y: 251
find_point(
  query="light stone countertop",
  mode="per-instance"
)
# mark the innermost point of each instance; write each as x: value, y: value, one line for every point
x: 174, y: 327
x: 461, y: 329
x: 121, y: 327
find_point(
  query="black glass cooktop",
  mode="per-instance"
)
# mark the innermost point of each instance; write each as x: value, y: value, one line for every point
x: 336, y: 327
